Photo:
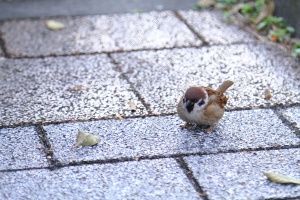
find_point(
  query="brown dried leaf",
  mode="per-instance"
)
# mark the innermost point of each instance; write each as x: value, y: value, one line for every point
x: 267, y: 94
x: 118, y: 117
x: 279, y: 178
x: 76, y: 87
x: 54, y: 25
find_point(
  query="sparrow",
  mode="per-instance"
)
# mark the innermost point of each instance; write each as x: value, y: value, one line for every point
x: 203, y: 105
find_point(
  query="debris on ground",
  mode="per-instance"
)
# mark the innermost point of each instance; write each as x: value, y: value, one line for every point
x: 267, y: 94
x: 86, y: 139
x: 54, y: 25
x: 133, y: 106
x: 279, y: 178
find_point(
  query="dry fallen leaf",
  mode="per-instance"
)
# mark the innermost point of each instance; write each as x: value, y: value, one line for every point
x: 132, y: 106
x: 267, y: 94
x: 118, y: 117
x: 267, y: 10
x: 54, y: 25
x: 86, y: 139
x: 279, y: 178
x: 76, y: 87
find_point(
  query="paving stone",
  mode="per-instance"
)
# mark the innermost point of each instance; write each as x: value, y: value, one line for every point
x: 239, y: 175
x: 161, y: 77
x: 155, y: 179
x: 62, y: 89
x: 292, y: 114
x: 20, y: 148
x: 163, y: 136
x: 212, y: 26
x: 90, y: 34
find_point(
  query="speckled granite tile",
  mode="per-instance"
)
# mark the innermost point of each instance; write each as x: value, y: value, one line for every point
x: 20, y: 149
x: 154, y: 179
x: 62, y: 89
x: 90, y: 34
x: 212, y: 26
x: 239, y: 175
x: 163, y: 136
x: 161, y: 77
x: 292, y: 114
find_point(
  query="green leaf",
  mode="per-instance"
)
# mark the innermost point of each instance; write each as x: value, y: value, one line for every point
x: 279, y: 178
x: 247, y: 9
x: 296, y: 52
x: 261, y: 25
x: 290, y: 29
x: 296, y: 45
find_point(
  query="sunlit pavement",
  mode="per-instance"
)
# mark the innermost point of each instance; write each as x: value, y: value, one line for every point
x: 86, y: 75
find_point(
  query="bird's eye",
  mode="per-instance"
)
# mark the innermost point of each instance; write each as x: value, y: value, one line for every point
x: 183, y: 100
x: 201, y: 102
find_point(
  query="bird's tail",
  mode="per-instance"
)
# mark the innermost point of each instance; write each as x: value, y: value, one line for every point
x: 224, y: 86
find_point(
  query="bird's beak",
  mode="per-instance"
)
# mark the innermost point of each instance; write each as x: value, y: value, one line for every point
x: 189, y: 106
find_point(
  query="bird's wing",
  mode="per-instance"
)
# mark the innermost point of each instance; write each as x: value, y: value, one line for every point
x: 221, y: 99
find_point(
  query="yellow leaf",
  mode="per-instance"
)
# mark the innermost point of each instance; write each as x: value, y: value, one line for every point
x: 86, y: 139
x: 279, y: 178
x: 54, y: 25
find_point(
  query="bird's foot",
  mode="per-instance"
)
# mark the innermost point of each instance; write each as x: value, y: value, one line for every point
x: 209, y: 128
x: 186, y: 125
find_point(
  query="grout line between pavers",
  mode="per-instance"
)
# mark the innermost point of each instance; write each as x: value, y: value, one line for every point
x: 175, y: 156
x: 285, y: 121
x: 2, y: 44
x: 133, y: 50
x: 191, y: 28
x: 189, y: 173
x: 27, y: 124
x: 135, y: 91
x: 54, y: 163
x: 57, y: 165
x: 292, y: 198
x: 103, y: 52
x: 25, y: 169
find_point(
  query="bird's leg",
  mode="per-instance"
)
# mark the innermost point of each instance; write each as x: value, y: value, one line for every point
x: 209, y: 129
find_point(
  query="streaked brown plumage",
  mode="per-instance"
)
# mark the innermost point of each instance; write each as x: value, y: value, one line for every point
x: 203, y: 105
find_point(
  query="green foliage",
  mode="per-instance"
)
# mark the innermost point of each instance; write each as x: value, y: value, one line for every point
x: 248, y: 9
x: 296, y: 50
x: 269, y: 21
x: 260, y: 3
x: 198, y: 7
x: 227, y: 3
x: 275, y: 27
x: 282, y: 34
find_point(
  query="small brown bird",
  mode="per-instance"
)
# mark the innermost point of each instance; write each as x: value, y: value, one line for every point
x: 203, y: 105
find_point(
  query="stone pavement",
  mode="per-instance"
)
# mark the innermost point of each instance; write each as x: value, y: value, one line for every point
x: 84, y: 76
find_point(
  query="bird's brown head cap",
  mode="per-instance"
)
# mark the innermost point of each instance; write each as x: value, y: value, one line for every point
x: 195, y: 93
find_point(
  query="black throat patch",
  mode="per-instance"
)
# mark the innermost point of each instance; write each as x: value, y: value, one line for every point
x: 190, y: 106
